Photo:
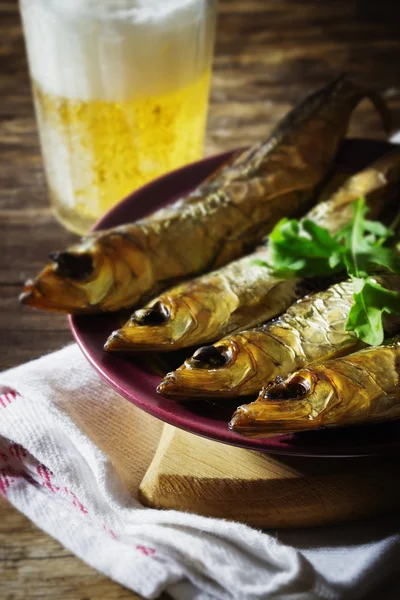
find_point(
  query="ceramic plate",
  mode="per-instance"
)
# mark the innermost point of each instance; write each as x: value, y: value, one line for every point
x: 135, y: 377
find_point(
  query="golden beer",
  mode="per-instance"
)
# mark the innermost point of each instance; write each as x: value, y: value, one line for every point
x: 124, y: 103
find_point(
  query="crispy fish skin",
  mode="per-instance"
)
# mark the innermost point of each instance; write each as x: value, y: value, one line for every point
x: 312, y: 329
x: 243, y: 294
x: 361, y: 388
x: 221, y: 220
x: 206, y: 308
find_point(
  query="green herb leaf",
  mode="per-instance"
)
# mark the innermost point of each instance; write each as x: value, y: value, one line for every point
x: 355, y: 243
x: 303, y: 248
x: 383, y: 257
x: 371, y: 300
x: 363, y: 241
x: 378, y: 229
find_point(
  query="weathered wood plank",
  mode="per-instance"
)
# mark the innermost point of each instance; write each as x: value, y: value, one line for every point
x: 33, y: 565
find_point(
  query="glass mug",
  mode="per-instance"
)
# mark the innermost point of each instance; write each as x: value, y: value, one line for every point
x: 121, y: 94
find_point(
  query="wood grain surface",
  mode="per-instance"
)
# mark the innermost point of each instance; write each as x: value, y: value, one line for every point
x: 269, y: 53
x: 197, y: 475
x: 33, y: 565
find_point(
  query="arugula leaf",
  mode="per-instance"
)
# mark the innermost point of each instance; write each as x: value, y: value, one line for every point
x: 354, y: 233
x: 363, y: 241
x: 301, y: 248
x: 304, y: 249
x: 381, y: 257
x: 371, y: 300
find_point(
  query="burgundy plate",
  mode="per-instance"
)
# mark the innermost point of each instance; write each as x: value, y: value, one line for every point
x: 132, y: 379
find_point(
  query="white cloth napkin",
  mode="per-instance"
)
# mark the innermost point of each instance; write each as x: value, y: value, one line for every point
x: 72, y: 454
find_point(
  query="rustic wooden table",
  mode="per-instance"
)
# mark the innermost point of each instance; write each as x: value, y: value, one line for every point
x: 269, y: 53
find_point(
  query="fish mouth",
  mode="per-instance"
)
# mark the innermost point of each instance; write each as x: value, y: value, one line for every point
x: 187, y: 381
x: 39, y: 293
x: 117, y: 342
x: 244, y: 423
x: 169, y: 386
x: 31, y: 295
x: 269, y: 419
x: 178, y: 383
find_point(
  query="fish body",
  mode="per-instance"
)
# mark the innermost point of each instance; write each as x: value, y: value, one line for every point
x: 204, y: 309
x: 313, y: 328
x: 361, y: 388
x: 244, y: 293
x: 222, y: 219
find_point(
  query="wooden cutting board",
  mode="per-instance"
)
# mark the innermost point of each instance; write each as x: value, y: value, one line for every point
x: 194, y: 474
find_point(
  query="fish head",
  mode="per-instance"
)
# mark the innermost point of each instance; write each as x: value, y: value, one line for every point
x: 296, y: 403
x: 154, y: 327
x: 176, y: 319
x: 87, y: 277
x: 217, y: 370
x: 61, y: 285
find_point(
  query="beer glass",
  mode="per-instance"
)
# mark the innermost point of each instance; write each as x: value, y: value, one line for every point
x: 121, y: 94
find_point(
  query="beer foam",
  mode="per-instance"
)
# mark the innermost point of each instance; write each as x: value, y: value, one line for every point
x: 135, y: 11
x: 102, y: 50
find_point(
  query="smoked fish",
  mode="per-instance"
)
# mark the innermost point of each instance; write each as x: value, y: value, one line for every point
x: 361, y: 388
x: 243, y: 293
x: 313, y: 328
x: 221, y: 220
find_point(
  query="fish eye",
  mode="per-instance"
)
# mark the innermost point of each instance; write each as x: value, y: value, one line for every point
x: 209, y: 357
x: 153, y: 315
x: 73, y: 265
x: 292, y: 388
